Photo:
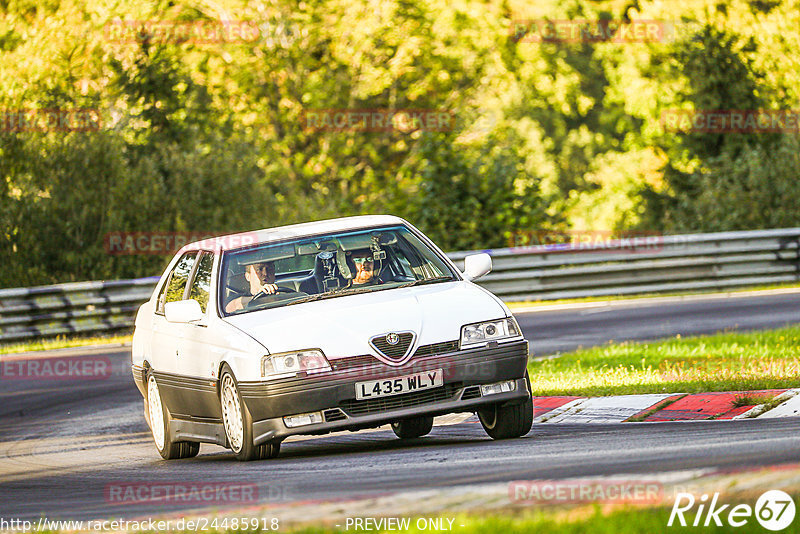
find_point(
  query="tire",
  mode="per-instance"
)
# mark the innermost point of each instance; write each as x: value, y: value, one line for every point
x: 159, y: 426
x: 505, y: 422
x: 413, y: 428
x: 239, y: 424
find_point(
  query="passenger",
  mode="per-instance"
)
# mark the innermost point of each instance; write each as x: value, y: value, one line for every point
x: 261, y: 277
x: 365, y: 268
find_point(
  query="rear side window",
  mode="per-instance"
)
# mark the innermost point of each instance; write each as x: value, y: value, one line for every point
x: 202, y: 281
x: 176, y: 282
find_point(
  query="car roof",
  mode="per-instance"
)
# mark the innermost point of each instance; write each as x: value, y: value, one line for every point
x: 270, y: 235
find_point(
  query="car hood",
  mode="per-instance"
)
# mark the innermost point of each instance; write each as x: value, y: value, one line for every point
x: 343, y: 326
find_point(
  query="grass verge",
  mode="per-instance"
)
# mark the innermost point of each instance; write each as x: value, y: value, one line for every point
x: 62, y: 342
x: 721, y: 362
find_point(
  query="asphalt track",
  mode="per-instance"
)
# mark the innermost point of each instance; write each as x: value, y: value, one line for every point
x: 64, y: 445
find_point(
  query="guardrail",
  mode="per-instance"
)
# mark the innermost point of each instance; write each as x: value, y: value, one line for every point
x: 651, y: 264
x: 75, y: 308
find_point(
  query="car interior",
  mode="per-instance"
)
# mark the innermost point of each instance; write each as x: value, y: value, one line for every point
x: 324, y: 265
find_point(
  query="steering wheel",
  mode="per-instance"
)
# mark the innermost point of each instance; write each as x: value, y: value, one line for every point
x: 261, y: 294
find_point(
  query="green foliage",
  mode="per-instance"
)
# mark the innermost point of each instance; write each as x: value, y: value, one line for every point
x: 209, y: 137
x: 728, y: 180
x: 464, y: 198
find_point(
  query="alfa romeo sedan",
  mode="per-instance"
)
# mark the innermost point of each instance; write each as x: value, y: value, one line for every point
x: 327, y: 326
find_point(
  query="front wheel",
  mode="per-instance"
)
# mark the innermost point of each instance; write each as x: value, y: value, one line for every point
x: 159, y: 425
x: 239, y: 424
x: 412, y: 428
x: 504, y: 422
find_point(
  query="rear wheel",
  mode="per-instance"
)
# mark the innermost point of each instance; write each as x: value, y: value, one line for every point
x: 159, y: 425
x: 239, y: 424
x: 504, y: 422
x: 413, y: 428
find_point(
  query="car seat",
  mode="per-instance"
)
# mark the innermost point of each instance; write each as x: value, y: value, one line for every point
x: 327, y: 273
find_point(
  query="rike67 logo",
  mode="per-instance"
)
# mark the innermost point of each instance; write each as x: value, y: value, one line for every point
x: 774, y: 510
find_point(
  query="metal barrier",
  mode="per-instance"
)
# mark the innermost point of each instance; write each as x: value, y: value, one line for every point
x: 652, y: 264
x: 75, y: 308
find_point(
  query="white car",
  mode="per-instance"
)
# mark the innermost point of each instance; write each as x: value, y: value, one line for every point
x: 334, y: 325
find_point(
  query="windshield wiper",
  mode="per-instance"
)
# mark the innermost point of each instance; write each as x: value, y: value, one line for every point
x: 310, y: 298
x: 424, y: 281
x: 330, y: 295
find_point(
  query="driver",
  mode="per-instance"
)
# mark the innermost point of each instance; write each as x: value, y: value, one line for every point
x: 261, y: 277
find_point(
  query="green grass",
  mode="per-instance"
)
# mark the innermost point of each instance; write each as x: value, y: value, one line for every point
x: 722, y: 362
x: 62, y: 342
x: 749, y: 399
x: 544, y: 303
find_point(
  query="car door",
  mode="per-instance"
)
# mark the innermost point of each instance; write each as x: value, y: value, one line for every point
x: 197, y: 354
x: 166, y: 336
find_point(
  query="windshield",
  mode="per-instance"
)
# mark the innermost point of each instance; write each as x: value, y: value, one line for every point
x: 328, y: 266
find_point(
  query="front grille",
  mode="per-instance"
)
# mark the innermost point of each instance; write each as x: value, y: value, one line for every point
x: 334, y: 414
x: 365, y: 360
x: 472, y: 392
x: 436, y: 349
x: 409, y: 400
x: 368, y: 360
x: 394, y: 352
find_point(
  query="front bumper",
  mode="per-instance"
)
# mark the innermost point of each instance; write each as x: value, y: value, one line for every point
x: 334, y: 394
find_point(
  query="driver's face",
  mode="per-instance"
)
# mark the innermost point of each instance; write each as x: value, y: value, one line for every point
x: 262, y: 272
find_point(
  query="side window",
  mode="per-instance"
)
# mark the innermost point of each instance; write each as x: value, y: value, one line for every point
x: 176, y: 283
x: 404, y: 264
x: 202, y: 281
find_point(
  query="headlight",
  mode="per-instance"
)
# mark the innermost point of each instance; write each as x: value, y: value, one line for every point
x: 481, y: 333
x: 288, y: 364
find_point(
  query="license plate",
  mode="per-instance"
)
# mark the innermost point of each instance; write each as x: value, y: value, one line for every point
x: 397, y: 386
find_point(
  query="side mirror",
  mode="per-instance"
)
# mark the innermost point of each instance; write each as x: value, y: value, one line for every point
x: 477, y: 265
x: 183, y: 311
